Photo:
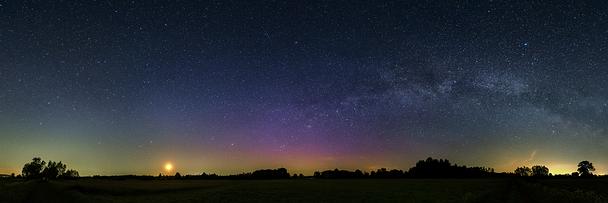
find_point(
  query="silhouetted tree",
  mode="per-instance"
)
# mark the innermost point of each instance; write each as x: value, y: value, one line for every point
x: 268, y: 173
x: 380, y: 173
x: 442, y: 168
x: 40, y: 169
x: 574, y: 174
x: 178, y: 175
x: 301, y: 175
x: 540, y: 171
x: 12, y: 175
x: 384, y: 173
x: 336, y: 173
x: 34, y: 168
x: 585, y: 168
x: 207, y: 176
x: 317, y: 174
x: 282, y: 173
x: 523, y: 171
x: 53, y: 170
x: 70, y: 174
x: 358, y: 173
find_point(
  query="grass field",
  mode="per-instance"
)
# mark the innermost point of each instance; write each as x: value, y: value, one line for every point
x: 366, y: 190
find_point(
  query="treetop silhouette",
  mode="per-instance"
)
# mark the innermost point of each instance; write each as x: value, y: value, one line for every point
x: 53, y: 170
x: 585, y: 168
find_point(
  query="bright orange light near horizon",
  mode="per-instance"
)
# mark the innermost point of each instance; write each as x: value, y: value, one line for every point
x: 168, y: 167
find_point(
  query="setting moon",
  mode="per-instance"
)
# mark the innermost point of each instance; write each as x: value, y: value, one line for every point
x: 168, y: 166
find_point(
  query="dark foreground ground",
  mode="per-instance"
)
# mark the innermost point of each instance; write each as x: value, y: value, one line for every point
x: 369, y: 190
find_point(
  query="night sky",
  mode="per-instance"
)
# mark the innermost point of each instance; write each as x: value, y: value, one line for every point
x: 123, y: 87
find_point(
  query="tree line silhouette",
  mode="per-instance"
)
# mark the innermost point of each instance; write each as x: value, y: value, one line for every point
x: 428, y: 168
x: 51, y: 170
x: 584, y: 169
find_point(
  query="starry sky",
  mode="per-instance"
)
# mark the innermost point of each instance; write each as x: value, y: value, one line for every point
x: 123, y: 87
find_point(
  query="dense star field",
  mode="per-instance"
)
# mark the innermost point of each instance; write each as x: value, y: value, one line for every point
x: 123, y: 87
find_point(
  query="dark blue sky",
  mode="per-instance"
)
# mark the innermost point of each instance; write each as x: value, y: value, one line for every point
x: 118, y: 87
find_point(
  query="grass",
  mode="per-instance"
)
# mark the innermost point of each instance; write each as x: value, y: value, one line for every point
x: 363, y: 190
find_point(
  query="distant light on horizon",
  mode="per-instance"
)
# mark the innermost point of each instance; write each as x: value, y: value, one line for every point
x: 168, y: 167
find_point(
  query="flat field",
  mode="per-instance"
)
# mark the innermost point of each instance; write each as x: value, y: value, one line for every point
x: 306, y: 190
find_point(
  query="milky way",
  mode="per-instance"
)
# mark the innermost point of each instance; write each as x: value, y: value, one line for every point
x: 121, y: 87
